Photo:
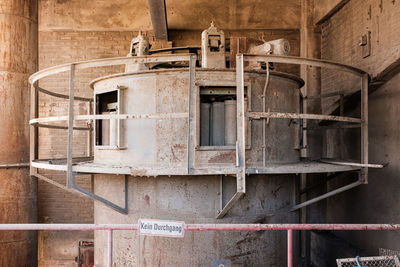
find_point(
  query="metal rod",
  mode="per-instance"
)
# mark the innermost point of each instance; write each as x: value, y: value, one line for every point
x: 264, y: 95
x: 364, y: 127
x: 108, y: 62
x: 61, y: 127
x: 70, y: 175
x: 325, y: 180
x: 110, y: 248
x: 204, y: 227
x: 34, y: 131
x: 44, y: 91
x: 285, y: 115
x: 14, y: 165
x: 348, y: 163
x: 329, y: 194
x: 304, y: 61
x: 290, y: 248
x: 112, y: 116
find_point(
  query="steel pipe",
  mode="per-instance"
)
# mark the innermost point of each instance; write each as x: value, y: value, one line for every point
x: 285, y: 115
x: 205, y: 227
x: 290, y: 248
x: 110, y: 248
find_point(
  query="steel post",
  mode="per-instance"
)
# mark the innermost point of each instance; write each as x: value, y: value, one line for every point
x: 290, y: 248
x: 110, y: 248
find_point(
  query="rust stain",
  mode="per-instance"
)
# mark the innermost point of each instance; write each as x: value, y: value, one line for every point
x: 224, y: 157
x: 147, y: 199
x: 138, y: 172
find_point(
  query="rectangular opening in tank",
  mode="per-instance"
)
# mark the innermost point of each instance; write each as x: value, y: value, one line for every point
x: 107, y: 130
x: 218, y: 116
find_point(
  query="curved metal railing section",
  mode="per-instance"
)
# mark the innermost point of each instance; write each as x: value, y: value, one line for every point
x: 240, y: 169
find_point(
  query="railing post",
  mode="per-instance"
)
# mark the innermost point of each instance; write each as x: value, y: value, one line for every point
x: 110, y: 248
x: 34, y: 131
x: 192, y: 110
x: 241, y: 125
x: 364, y: 127
x: 70, y: 176
x: 290, y: 248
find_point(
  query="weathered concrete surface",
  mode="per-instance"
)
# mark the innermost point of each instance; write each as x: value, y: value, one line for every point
x: 18, y: 59
x: 229, y: 14
x: 340, y: 42
x: 150, y: 144
x: 77, y: 15
x: 195, y: 199
x: 325, y: 8
x: 126, y: 15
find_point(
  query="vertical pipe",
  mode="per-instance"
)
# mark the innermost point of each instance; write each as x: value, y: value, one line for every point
x: 290, y: 248
x: 113, y: 131
x: 70, y: 178
x: 218, y: 124
x: 110, y: 248
x: 205, y: 124
x: 89, y: 132
x: 230, y: 123
x: 105, y: 130
x: 364, y: 127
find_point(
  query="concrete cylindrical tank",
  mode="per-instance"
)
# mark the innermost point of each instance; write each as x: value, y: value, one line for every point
x: 161, y: 145
x: 18, y: 59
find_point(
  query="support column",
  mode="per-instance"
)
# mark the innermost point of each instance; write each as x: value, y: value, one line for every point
x: 18, y: 191
x: 310, y: 46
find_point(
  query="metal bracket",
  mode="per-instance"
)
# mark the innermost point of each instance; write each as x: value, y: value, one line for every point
x: 75, y: 189
x: 241, y: 139
x: 123, y: 210
x: 240, y: 181
x: 360, y: 181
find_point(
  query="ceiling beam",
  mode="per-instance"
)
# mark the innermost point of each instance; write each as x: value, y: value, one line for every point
x: 159, y: 19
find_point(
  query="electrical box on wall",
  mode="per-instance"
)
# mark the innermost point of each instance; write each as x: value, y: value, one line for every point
x: 365, y: 43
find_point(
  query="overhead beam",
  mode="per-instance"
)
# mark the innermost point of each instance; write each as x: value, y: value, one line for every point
x: 159, y: 19
x: 324, y: 9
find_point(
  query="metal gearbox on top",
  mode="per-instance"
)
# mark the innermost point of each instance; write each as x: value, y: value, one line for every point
x: 213, y: 48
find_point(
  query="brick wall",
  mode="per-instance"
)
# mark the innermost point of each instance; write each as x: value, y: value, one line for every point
x: 340, y: 42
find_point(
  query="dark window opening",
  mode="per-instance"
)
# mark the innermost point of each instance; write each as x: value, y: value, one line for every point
x: 107, y: 129
x: 218, y: 116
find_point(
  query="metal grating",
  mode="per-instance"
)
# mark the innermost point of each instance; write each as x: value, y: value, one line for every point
x: 388, y: 252
x: 381, y: 261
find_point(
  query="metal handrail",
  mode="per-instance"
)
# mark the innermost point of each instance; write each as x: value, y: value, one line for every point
x: 203, y: 227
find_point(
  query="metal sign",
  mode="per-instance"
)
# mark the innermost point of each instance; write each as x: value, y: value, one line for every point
x: 161, y: 228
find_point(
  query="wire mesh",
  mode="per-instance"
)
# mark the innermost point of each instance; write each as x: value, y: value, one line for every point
x: 388, y: 252
x: 381, y: 261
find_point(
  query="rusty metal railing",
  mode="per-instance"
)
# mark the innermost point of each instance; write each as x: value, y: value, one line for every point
x: 203, y: 227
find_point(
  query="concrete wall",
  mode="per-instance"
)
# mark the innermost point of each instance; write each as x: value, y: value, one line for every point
x: 378, y: 201
x: 195, y: 199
